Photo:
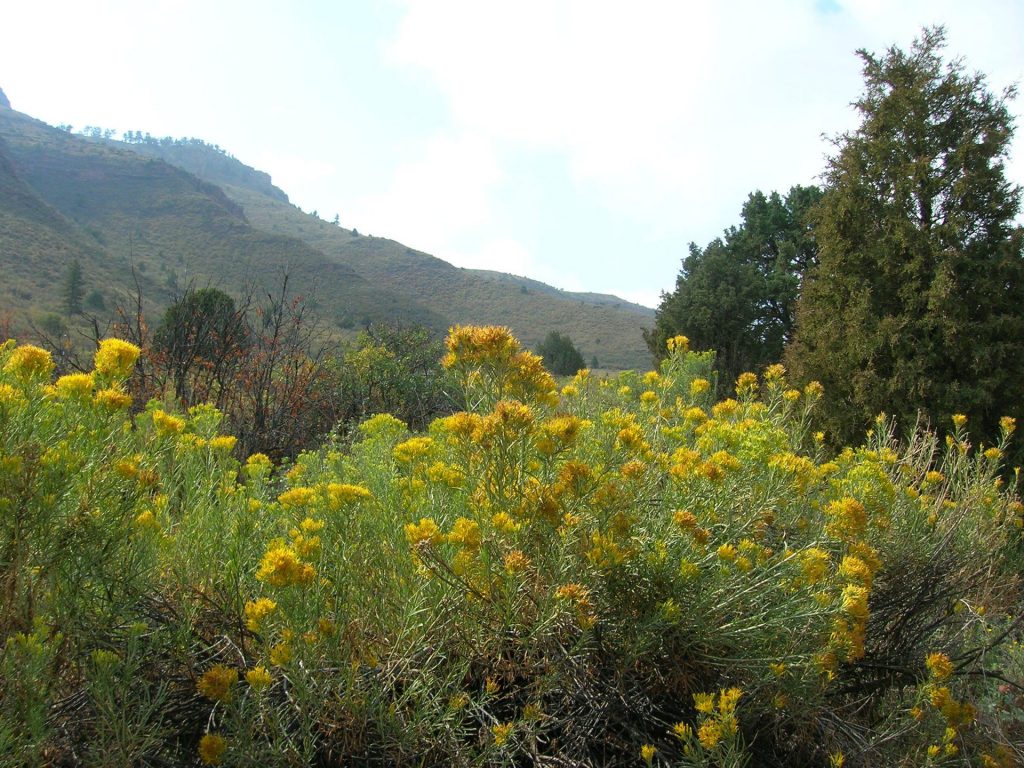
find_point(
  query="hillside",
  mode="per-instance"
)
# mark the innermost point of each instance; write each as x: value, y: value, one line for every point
x: 169, y: 225
x: 184, y: 211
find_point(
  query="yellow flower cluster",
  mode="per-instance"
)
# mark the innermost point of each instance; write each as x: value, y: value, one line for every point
x: 115, y: 358
x: 216, y: 683
x: 343, y: 494
x: 29, y: 362
x: 211, y: 748
x: 296, y: 498
x: 282, y: 567
x: 258, y: 678
x: 258, y: 610
x: 425, y: 531
x: 166, y: 424
x: 717, y: 719
x: 939, y: 665
x: 74, y: 385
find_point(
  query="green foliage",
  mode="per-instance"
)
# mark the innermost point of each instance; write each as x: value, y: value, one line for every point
x: 395, y: 369
x: 200, y: 342
x: 917, y: 302
x: 560, y: 355
x: 737, y: 295
x: 95, y: 301
x: 74, y: 289
x: 559, y: 578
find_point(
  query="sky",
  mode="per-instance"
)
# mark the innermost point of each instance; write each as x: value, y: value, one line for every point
x: 583, y: 143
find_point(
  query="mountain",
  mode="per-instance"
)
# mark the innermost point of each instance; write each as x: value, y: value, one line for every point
x: 179, y: 211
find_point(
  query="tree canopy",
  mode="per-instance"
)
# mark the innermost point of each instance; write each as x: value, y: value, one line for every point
x: 737, y: 295
x: 916, y: 303
x: 560, y: 354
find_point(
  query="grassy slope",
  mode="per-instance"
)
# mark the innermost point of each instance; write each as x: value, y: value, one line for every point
x: 115, y: 206
x: 601, y: 325
x: 173, y: 227
x: 37, y: 244
x: 604, y: 326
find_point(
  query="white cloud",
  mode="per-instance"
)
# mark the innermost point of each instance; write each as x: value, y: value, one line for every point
x: 669, y: 113
x: 436, y: 196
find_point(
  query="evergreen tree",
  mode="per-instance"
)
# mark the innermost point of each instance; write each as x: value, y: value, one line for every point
x: 74, y: 289
x: 917, y: 302
x: 737, y: 296
x: 560, y: 355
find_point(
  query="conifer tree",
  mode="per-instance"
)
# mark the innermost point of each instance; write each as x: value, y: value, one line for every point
x: 916, y: 304
x: 74, y: 289
x: 737, y: 295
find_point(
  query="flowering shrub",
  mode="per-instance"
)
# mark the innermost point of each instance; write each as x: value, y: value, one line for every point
x: 618, y: 572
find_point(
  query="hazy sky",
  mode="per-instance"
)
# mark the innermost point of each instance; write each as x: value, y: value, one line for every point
x: 581, y: 143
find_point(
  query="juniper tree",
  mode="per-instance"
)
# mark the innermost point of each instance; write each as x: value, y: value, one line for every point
x: 917, y: 301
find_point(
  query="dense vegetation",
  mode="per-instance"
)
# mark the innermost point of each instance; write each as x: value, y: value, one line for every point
x: 617, y: 572
x: 560, y: 355
x: 738, y: 296
x: 908, y: 265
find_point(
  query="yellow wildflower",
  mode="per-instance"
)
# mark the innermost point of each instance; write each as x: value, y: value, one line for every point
x: 709, y: 734
x: 699, y: 387
x: 647, y: 753
x: 516, y: 562
x: 112, y: 399
x: 211, y: 748
x: 412, y: 449
x: 774, y: 373
x: 502, y: 521
x: 258, y: 678
x: 74, y: 385
x: 959, y: 420
x: 848, y: 518
x: 280, y: 654
x: 725, y: 409
x: 340, y: 494
x: 855, y: 601
x: 501, y: 733
x: 425, y: 531
x: 746, y: 384
x: 1007, y: 425
x: 281, y: 567
x: 465, y: 532
x: 115, y: 358
x: 939, y: 665
x: 147, y: 520
x: 29, y: 362
x: 814, y: 390
x: 572, y: 591
x: 225, y: 443
x: 855, y: 569
x: 814, y: 562
x: 166, y: 424
x: 257, y: 610
x: 216, y: 682
x: 704, y: 702
x: 296, y: 497
x: 727, y: 552
x: 728, y: 699
x: 678, y: 344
